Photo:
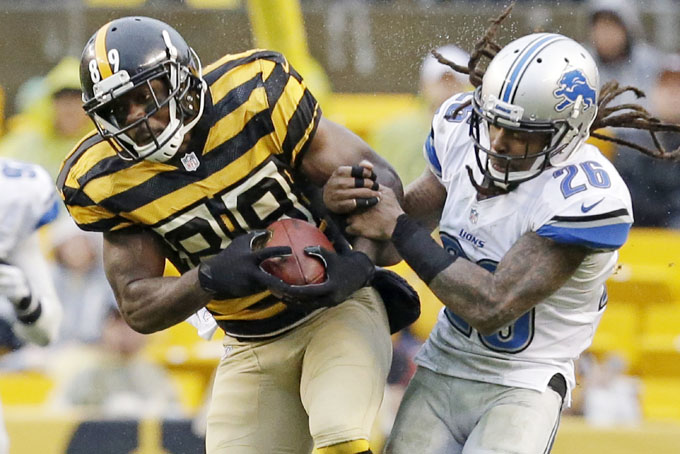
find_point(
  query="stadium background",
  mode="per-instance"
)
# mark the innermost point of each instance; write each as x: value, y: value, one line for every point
x: 362, y: 60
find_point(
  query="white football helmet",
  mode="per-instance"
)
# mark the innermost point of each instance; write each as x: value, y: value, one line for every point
x: 543, y: 82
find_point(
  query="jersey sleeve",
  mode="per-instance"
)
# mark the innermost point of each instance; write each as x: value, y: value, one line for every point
x: 593, y: 212
x: 29, y: 201
x: 295, y: 113
x: 449, y: 136
x: 95, y: 218
x: 430, y: 153
x: 73, y: 182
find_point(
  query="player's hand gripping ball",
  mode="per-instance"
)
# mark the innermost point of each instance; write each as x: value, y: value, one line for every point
x: 298, y: 268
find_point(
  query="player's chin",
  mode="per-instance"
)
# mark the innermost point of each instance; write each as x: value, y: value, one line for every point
x: 513, y: 167
x: 500, y: 166
x: 142, y: 137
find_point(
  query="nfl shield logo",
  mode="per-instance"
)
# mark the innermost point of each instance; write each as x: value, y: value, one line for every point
x: 190, y: 162
x: 474, y: 215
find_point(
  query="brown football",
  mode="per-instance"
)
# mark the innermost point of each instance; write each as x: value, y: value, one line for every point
x: 297, y: 268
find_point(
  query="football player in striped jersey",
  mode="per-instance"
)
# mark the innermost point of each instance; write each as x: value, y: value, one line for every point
x: 189, y: 164
x: 530, y: 219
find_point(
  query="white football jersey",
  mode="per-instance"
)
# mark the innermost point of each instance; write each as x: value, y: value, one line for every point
x: 28, y: 200
x: 582, y: 201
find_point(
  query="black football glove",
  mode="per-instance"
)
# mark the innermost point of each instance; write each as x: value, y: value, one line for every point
x: 235, y: 271
x: 346, y: 272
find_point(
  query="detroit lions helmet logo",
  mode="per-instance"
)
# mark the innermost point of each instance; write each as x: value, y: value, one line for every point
x: 573, y: 84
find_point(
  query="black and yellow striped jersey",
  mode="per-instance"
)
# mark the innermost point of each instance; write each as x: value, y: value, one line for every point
x: 257, y: 121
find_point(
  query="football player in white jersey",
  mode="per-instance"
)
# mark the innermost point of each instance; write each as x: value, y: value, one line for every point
x: 530, y: 217
x: 29, y: 307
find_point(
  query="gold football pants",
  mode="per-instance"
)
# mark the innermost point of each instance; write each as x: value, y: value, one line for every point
x: 318, y: 385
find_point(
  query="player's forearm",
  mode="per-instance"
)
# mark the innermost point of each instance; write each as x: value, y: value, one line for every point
x: 157, y: 303
x: 387, y: 176
x: 424, y: 200
x: 472, y: 293
x: 533, y: 269
x: 487, y: 301
x: 382, y: 253
x: 463, y: 287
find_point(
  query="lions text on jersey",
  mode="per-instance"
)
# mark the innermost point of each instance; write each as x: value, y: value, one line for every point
x: 581, y: 201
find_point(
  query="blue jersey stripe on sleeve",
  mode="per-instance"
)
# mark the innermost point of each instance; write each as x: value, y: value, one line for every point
x: 432, y: 155
x: 602, y: 237
x: 50, y: 215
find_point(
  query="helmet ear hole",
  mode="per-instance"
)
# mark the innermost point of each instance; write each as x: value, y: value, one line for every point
x: 191, y: 101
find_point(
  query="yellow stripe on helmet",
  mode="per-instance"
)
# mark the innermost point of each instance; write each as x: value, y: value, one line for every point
x: 100, y: 52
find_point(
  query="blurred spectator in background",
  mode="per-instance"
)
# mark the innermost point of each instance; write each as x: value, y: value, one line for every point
x: 29, y: 308
x: 623, y: 55
x: 610, y: 396
x: 619, y: 48
x: 51, y: 119
x: 114, y: 379
x: 605, y: 394
x: 400, y: 140
x: 655, y: 185
x: 80, y: 281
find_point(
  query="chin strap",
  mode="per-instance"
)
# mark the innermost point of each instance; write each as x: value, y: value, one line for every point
x: 488, y: 188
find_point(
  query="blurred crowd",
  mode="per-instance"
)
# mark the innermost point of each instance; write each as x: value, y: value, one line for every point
x: 98, y: 363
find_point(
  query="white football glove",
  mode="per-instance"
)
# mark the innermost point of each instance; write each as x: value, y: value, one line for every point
x: 44, y: 318
x: 13, y: 284
x: 45, y: 329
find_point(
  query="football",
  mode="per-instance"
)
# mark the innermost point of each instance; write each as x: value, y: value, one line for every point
x: 297, y: 268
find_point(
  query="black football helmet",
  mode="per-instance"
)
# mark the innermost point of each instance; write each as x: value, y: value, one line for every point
x: 132, y: 52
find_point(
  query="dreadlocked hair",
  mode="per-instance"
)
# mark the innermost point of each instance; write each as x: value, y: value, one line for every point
x: 630, y: 116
